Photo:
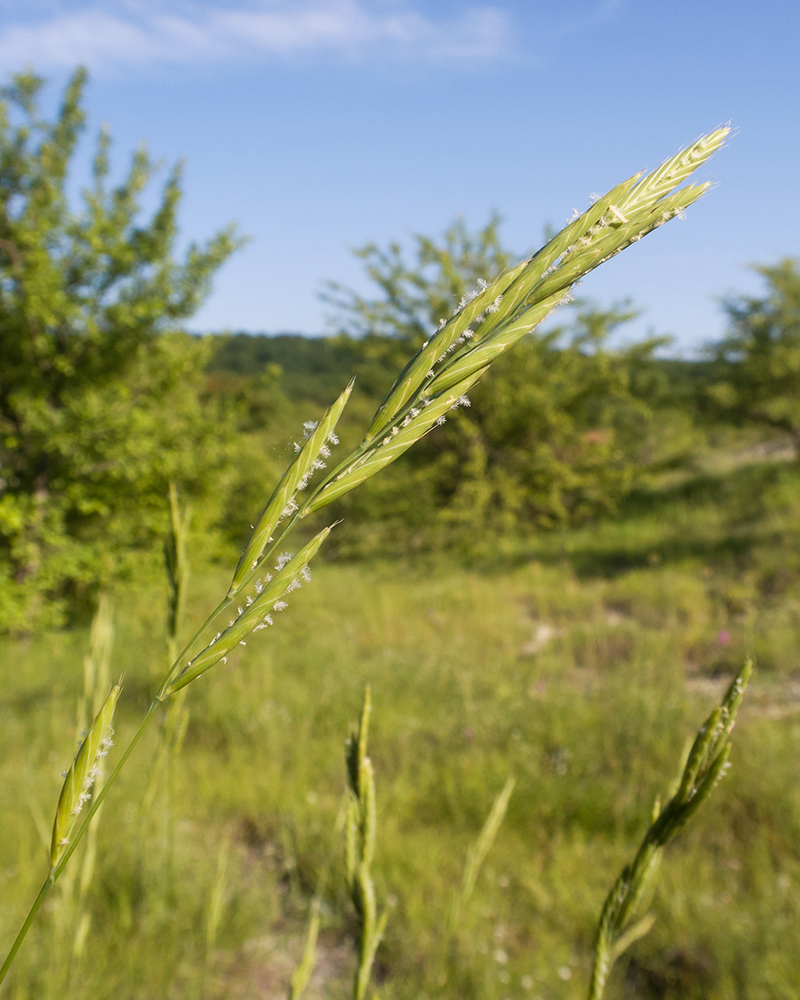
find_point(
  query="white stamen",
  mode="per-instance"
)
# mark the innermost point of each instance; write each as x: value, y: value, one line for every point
x: 616, y: 212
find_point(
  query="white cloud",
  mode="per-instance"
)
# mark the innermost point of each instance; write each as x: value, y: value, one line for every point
x: 151, y: 34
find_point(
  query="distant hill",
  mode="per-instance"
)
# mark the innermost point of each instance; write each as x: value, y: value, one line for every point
x: 313, y: 367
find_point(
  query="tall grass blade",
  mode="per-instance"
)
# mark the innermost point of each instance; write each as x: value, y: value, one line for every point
x: 216, y: 901
x: 302, y: 974
x: 477, y: 853
x: 176, y: 565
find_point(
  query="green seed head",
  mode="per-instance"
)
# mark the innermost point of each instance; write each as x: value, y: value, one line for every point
x: 79, y: 781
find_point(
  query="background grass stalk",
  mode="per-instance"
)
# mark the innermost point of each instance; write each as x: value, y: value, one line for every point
x: 305, y: 967
x: 477, y: 853
x: 176, y: 717
x: 361, y: 833
x: 707, y: 762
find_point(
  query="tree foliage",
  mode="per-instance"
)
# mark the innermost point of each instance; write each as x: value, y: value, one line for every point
x: 756, y: 375
x: 99, y: 405
x: 416, y: 295
x: 562, y: 429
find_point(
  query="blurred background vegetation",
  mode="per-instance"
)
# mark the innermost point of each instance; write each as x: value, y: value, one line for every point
x: 557, y: 584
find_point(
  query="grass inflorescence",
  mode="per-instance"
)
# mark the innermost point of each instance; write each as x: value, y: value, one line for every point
x: 482, y: 328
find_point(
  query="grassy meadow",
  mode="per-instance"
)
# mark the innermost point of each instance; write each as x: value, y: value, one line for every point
x: 498, y: 643
x: 579, y: 661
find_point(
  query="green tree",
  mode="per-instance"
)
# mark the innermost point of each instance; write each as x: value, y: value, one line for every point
x: 417, y: 296
x: 99, y: 405
x: 563, y: 428
x: 756, y: 373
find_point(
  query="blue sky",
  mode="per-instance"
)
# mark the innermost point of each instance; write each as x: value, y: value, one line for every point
x: 319, y: 125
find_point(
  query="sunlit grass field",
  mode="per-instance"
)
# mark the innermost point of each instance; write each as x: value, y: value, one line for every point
x: 581, y: 662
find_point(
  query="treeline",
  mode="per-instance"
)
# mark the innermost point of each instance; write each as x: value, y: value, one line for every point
x: 106, y: 401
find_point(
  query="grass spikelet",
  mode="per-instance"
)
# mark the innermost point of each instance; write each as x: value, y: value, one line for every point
x: 77, y: 788
x: 251, y: 617
x: 488, y: 350
x: 294, y: 479
x: 413, y: 375
x: 398, y: 440
x: 704, y: 767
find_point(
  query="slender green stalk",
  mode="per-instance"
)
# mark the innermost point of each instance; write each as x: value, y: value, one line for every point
x: 223, y: 606
x: 216, y: 902
x: 47, y: 885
